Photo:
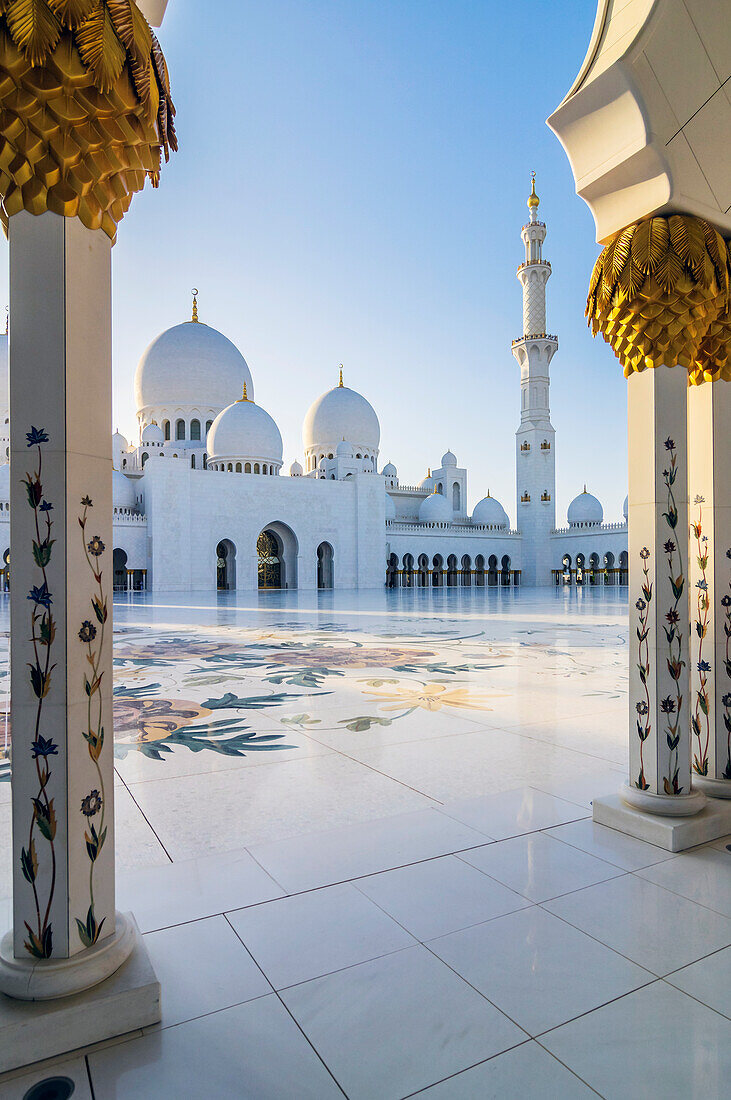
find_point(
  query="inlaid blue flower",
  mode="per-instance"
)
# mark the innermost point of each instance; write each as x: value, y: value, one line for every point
x: 43, y: 747
x: 36, y: 436
x: 703, y: 666
x: 40, y: 595
x: 46, y: 506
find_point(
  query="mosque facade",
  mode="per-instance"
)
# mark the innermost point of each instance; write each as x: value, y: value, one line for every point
x: 200, y: 501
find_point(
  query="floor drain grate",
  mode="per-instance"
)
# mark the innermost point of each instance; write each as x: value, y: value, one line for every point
x: 53, y: 1088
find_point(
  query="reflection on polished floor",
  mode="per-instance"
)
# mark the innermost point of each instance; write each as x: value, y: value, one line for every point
x: 356, y: 831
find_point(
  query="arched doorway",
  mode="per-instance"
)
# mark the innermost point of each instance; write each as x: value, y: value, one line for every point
x: 407, y: 576
x: 594, y: 569
x: 580, y: 568
x: 325, y: 565
x: 505, y: 571
x: 492, y: 571
x: 466, y: 571
x: 456, y: 497
x: 437, y: 567
x: 623, y: 568
x: 268, y: 552
x: 610, y: 576
x: 6, y: 570
x: 480, y: 571
x: 119, y: 565
x: 566, y: 567
x: 225, y: 566
x: 423, y: 577
x: 451, y: 570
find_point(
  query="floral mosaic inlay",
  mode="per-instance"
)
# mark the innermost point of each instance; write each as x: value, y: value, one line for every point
x: 672, y: 705
x: 93, y: 805
x: 42, y: 826
x: 642, y: 706
x: 701, y: 719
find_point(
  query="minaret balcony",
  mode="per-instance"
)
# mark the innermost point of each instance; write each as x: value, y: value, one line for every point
x: 533, y: 263
x: 535, y: 336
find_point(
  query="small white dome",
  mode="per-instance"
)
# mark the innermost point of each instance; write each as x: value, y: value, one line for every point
x: 490, y: 512
x: 191, y: 364
x: 585, y: 510
x: 118, y: 440
x: 295, y: 470
x: 390, y: 507
x: 427, y: 482
x: 449, y: 459
x: 341, y: 412
x: 625, y: 507
x: 389, y: 470
x: 153, y: 433
x: 244, y: 431
x: 344, y: 449
x: 123, y: 491
x: 435, y: 509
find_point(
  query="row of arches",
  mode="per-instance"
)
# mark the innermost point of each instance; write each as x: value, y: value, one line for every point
x: 314, y: 460
x: 607, y: 570
x: 184, y: 430
x: 276, y: 561
x: 463, y: 573
x: 244, y: 467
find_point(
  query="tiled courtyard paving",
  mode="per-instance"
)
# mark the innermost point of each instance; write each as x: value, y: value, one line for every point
x: 355, y: 829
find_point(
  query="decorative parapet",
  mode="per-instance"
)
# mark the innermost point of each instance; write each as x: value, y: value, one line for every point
x: 462, y: 530
x: 525, y: 498
x: 591, y: 528
x: 127, y: 516
x: 535, y: 336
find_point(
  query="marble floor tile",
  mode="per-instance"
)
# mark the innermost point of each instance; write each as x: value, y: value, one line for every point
x: 15, y: 1086
x: 186, y: 891
x: 609, y: 844
x: 626, y: 913
x: 308, y: 935
x: 723, y: 843
x: 539, y: 867
x: 513, y: 812
x: 523, y: 1073
x: 134, y: 840
x: 393, y: 1026
x: 538, y: 970
x: 253, y: 1051
x: 709, y: 981
x: 322, y: 859
x: 702, y: 876
x: 439, y: 896
x: 655, y: 1042
x: 216, y: 811
x: 202, y: 967
x: 582, y: 787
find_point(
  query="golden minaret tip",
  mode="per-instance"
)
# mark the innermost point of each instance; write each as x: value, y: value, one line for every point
x: 341, y: 375
x: 533, y: 199
x: 194, y: 292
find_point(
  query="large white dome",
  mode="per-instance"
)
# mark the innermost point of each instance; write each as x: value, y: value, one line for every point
x: 435, y: 509
x: 490, y: 512
x: 191, y: 364
x: 244, y: 431
x: 585, y: 510
x: 339, y: 414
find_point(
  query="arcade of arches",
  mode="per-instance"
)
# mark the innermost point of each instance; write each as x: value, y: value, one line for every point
x: 421, y: 572
x: 606, y: 570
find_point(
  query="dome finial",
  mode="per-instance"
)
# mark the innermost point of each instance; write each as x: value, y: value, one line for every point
x: 341, y: 375
x: 584, y: 486
x: 244, y: 397
x: 194, y: 292
x: 533, y: 199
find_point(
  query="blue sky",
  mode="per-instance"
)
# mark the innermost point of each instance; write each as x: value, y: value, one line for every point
x: 350, y: 187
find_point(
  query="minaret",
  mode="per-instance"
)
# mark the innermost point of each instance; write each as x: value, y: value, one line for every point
x: 535, y: 437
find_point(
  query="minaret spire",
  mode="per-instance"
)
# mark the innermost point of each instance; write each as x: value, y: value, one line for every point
x: 194, y: 292
x: 535, y: 438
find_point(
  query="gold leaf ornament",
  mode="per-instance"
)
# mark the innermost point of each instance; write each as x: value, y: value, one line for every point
x: 659, y: 295
x: 85, y: 109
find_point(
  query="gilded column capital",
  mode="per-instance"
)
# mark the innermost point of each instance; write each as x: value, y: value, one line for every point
x: 85, y: 108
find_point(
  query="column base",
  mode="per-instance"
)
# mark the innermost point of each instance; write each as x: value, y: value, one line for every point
x: 713, y: 788
x: 126, y: 1000
x: 674, y: 834
x: 667, y: 805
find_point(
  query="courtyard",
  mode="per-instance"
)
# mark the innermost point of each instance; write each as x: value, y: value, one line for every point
x: 355, y: 830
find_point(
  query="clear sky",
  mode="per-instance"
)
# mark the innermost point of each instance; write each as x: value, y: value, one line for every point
x: 350, y: 186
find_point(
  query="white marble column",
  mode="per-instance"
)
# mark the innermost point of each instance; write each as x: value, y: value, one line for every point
x: 709, y: 484
x: 659, y: 645
x: 66, y: 935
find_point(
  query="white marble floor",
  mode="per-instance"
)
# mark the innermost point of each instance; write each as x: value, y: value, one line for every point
x: 373, y: 874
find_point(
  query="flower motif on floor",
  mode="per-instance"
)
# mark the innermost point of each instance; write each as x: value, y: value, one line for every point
x: 433, y: 697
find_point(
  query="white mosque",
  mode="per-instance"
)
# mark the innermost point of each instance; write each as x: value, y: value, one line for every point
x: 200, y: 503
